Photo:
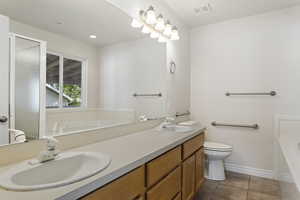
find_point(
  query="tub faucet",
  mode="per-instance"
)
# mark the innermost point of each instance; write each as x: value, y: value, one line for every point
x: 51, y: 153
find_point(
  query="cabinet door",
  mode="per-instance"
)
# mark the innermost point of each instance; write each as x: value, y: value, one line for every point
x: 128, y: 187
x: 188, y: 178
x: 167, y: 188
x: 199, y: 168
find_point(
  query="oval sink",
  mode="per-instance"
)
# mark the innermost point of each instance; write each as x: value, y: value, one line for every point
x: 183, y: 129
x: 67, y: 168
x: 177, y: 128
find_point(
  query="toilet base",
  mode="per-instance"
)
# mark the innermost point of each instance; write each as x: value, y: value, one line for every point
x: 215, y: 170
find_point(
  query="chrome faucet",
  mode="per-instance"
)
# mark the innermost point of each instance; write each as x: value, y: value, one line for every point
x: 51, y: 153
x: 169, y: 122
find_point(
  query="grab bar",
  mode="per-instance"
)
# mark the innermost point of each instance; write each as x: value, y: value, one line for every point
x: 254, y: 126
x: 272, y: 93
x: 147, y: 95
x: 182, y: 114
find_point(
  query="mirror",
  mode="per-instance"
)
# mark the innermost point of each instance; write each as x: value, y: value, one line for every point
x: 75, y: 69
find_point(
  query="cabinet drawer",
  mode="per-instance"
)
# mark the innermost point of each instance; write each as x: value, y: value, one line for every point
x: 161, y: 166
x: 167, y: 188
x: 128, y: 187
x: 192, y: 145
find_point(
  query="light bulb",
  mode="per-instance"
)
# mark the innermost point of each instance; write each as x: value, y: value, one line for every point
x: 162, y: 39
x: 146, y: 30
x: 168, y: 29
x: 160, y: 23
x: 136, y: 24
x: 154, y: 34
x: 150, y: 16
x: 175, y: 34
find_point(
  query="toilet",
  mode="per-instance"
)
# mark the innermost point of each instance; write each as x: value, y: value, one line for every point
x: 215, y: 155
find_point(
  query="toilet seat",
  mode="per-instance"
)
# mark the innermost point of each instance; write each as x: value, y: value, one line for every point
x: 213, y: 146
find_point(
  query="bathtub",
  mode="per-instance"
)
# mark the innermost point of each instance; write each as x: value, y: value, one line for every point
x: 72, y: 127
x: 64, y: 122
x: 287, y: 155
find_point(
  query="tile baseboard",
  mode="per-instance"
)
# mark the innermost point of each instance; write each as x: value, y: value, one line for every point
x: 249, y: 170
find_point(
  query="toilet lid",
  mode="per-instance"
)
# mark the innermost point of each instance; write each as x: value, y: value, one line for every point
x: 217, y: 146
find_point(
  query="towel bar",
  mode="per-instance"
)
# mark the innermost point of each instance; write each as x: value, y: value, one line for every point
x: 272, y: 93
x: 254, y: 126
x: 147, y: 95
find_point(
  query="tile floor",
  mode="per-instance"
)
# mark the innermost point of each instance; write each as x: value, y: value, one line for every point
x: 240, y: 187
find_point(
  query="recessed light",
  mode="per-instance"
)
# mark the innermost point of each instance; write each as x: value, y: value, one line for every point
x: 93, y: 36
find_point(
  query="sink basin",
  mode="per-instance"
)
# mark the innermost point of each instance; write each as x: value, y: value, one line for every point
x: 178, y: 128
x: 66, y: 169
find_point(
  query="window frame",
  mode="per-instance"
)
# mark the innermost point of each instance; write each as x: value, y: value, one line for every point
x: 84, y: 66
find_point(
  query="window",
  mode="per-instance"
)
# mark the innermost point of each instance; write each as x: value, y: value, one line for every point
x: 65, y: 82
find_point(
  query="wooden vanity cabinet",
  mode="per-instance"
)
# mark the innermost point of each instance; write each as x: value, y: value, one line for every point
x: 192, y: 167
x: 199, y: 156
x: 161, y: 166
x: 168, y: 188
x: 128, y: 187
x: 188, y: 178
x: 178, y: 197
x: 191, y: 146
x: 176, y: 175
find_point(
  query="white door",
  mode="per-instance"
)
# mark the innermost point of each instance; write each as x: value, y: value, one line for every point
x: 4, y: 79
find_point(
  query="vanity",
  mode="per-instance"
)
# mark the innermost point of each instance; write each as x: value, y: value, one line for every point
x: 176, y: 174
x: 148, y: 165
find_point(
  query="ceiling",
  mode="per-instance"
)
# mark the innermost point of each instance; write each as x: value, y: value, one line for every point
x: 79, y: 19
x: 223, y: 9
x: 74, y: 19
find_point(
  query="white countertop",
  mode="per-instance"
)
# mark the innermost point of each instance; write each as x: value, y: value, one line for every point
x: 127, y: 153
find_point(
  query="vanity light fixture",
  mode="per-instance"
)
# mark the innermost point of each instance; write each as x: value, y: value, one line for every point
x: 162, y: 39
x: 157, y: 27
x: 146, y: 30
x: 154, y: 34
x: 168, y: 29
x: 175, y: 34
x: 136, y: 24
x: 160, y: 25
x: 150, y: 16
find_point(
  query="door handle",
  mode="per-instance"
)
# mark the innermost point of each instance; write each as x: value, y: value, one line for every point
x: 3, y: 119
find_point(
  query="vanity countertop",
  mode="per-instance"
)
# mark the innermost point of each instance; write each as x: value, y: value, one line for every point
x: 127, y: 153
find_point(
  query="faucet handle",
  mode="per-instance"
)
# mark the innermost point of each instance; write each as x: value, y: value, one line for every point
x: 51, y: 142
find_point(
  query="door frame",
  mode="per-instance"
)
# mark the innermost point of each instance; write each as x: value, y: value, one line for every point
x: 42, y: 87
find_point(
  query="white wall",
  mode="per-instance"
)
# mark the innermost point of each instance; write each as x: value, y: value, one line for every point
x: 253, y: 54
x: 69, y: 47
x: 178, y: 85
x: 4, y: 87
x: 133, y: 67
